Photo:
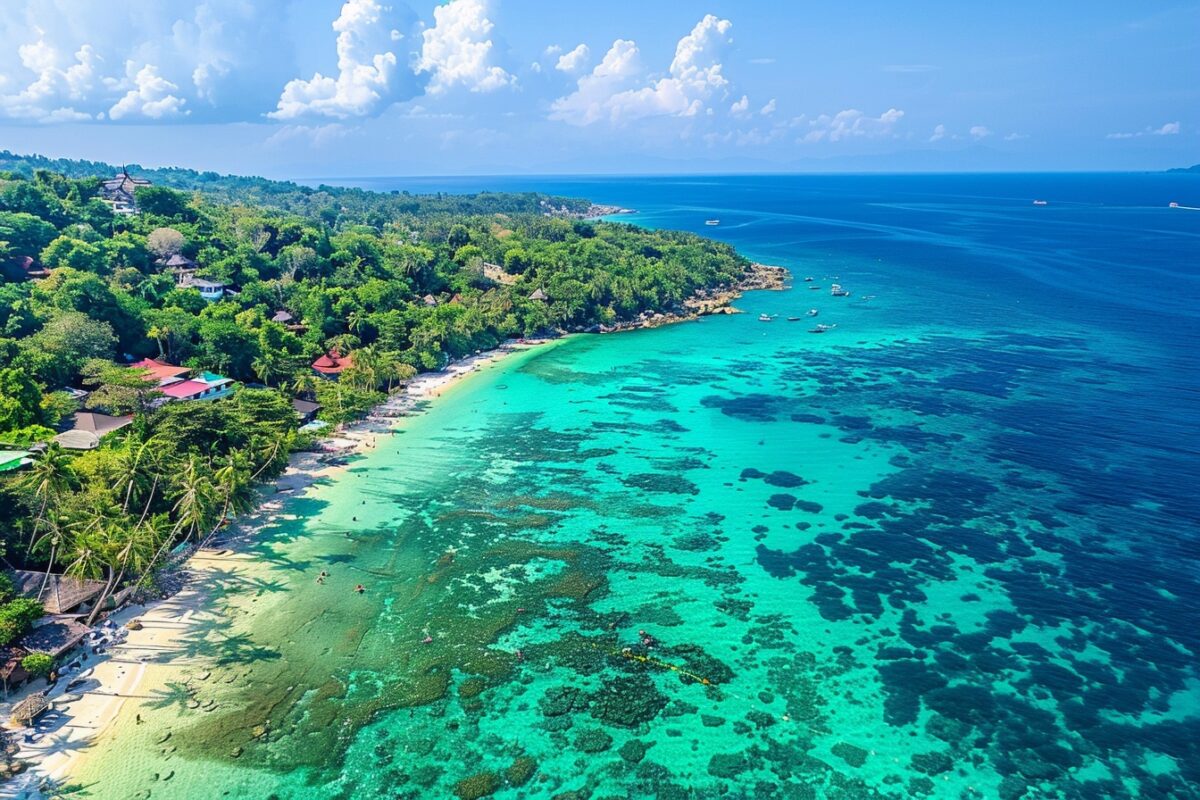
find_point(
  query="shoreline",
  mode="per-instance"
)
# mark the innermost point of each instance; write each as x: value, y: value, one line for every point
x: 85, y: 716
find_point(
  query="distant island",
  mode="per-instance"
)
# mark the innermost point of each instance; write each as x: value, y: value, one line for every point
x: 1193, y: 168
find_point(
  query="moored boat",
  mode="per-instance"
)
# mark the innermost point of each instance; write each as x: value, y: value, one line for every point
x: 812, y: 312
x: 837, y: 291
x: 712, y: 222
x: 1040, y: 203
x: 765, y: 317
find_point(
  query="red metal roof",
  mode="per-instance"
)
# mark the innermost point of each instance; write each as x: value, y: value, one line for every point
x: 160, y: 370
x: 185, y: 389
x: 332, y: 363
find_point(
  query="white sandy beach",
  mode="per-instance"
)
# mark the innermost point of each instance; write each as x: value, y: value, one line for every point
x: 153, y: 655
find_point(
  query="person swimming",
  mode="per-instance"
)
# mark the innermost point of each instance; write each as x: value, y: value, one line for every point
x: 360, y: 588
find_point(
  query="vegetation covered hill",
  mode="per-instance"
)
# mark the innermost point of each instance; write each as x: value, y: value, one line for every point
x: 403, y: 283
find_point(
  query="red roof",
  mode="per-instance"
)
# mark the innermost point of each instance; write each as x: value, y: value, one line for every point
x: 185, y: 389
x: 333, y: 363
x: 160, y: 370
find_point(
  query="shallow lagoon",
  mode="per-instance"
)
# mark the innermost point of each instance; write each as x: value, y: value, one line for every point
x: 945, y: 549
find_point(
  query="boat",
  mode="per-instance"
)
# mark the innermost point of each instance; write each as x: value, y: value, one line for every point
x: 765, y: 317
x: 1040, y: 203
x: 837, y: 291
x: 793, y: 319
x: 812, y: 312
x: 808, y: 279
x: 1169, y: 205
x: 712, y: 222
x: 814, y: 286
x: 821, y: 328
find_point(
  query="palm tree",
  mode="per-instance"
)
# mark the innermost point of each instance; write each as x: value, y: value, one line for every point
x: 268, y: 366
x: 367, y: 361
x: 305, y: 383
x: 50, y: 476
x: 132, y: 475
x: 54, y: 536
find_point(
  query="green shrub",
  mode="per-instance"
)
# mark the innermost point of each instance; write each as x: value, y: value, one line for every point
x: 38, y: 664
x: 16, y: 616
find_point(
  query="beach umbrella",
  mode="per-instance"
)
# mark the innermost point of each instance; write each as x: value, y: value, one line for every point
x: 26, y: 711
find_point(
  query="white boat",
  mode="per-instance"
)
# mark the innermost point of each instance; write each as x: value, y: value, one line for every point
x: 812, y: 312
x: 712, y: 222
x: 821, y: 328
x: 1040, y: 203
x: 765, y: 318
x: 837, y: 291
x: 1172, y: 205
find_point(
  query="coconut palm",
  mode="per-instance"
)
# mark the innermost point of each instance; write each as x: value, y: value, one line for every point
x: 49, y: 478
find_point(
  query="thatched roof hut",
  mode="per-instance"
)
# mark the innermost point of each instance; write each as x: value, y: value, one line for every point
x: 26, y: 711
x: 63, y: 593
x: 539, y: 295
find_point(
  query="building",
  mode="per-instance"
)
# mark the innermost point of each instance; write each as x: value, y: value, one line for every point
x: 429, y: 300
x: 282, y: 317
x: 30, y: 268
x: 120, y: 192
x: 306, y: 410
x: 209, y: 290
x: 161, y: 371
x: 14, y: 459
x: 332, y: 364
x: 62, y: 593
x: 206, y: 386
x: 88, y: 428
x: 539, y: 295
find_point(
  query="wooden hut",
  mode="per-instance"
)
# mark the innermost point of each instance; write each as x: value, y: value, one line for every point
x: 26, y: 711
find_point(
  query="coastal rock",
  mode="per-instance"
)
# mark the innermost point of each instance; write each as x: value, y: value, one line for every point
x: 851, y: 754
x: 932, y: 763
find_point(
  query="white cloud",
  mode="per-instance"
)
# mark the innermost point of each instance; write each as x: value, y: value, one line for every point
x: 1121, y: 135
x: 457, y: 50
x: 611, y: 90
x: 58, y: 83
x: 1016, y: 137
x: 850, y: 124
x: 152, y: 96
x: 980, y: 132
x: 769, y: 108
x: 741, y: 107
x: 1169, y: 129
x: 365, y: 70
x: 574, y: 60
x: 939, y: 133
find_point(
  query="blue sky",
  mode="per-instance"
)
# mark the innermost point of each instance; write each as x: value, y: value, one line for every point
x: 312, y: 88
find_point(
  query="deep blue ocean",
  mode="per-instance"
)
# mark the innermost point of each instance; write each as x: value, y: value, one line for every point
x: 949, y: 547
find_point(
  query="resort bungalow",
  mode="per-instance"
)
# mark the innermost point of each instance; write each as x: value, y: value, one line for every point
x: 429, y: 300
x: 119, y: 193
x: 161, y: 371
x: 539, y: 295
x: 209, y: 290
x: 206, y: 386
x: 332, y: 364
x: 306, y: 410
x: 14, y: 459
x: 88, y: 428
x: 62, y: 593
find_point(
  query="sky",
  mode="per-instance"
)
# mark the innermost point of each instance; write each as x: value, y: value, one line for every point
x: 329, y: 88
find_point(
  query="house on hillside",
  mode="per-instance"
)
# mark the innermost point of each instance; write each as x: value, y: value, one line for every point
x: 161, y: 371
x: 205, y: 386
x: 332, y: 364
x: 429, y: 300
x: 120, y: 192
x: 539, y: 295
x: 209, y: 290
x: 88, y: 428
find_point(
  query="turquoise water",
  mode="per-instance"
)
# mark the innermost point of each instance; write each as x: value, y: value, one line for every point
x: 945, y: 549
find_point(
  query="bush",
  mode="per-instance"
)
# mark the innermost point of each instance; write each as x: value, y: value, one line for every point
x: 16, y: 616
x: 7, y: 589
x: 38, y: 664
